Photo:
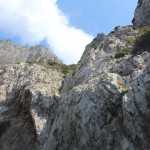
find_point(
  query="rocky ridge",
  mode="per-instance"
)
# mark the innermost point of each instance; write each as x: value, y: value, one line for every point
x: 103, y: 104
x: 10, y: 53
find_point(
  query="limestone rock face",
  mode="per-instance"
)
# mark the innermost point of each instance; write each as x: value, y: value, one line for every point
x: 142, y: 17
x: 10, y: 53
x: 104, y: 104
x: 29, y: 95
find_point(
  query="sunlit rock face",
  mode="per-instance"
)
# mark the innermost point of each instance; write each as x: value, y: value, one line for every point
x: 104, y: 104
x: 142, y: 17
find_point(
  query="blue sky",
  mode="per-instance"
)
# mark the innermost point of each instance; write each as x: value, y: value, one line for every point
x: 94, y: 16
x: 65, y: 26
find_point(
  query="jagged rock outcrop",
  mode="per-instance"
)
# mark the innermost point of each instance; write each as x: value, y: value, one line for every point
x: 102, y: 105
x: 142, y: 17
x: 10, y: 53
x: 29, y: 95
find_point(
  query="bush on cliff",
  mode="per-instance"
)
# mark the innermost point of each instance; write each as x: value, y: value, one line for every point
x: 142, y: 42
x: 122, y: 53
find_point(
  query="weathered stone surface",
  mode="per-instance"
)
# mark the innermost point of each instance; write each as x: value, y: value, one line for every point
x: 103, y: 105
x: 107, y: 108
x: 28, y: 101
x: 10, y: 53
x: 142, y: 17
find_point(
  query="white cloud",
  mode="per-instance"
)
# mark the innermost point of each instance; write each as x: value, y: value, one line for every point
x: 35, y: 20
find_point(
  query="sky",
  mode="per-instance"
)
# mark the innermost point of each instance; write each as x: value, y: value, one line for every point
x: 64, y: 26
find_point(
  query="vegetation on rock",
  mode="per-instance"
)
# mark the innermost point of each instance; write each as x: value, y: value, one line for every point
x: 122, y: 53
x: 142, y: 42
x: 124, y: 90
x: 57, y: 66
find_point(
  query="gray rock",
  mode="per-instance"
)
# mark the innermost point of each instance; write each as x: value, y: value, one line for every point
x: 103, y: 105
x: 141, y: 16
x: 86, y: 112
x: 10, y: 53
x: 27, y: 105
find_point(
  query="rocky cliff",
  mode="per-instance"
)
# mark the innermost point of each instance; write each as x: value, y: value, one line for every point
x: 10, y: 53
x: 142, y: 17
x: 29, y: 95
x: 104, y: 104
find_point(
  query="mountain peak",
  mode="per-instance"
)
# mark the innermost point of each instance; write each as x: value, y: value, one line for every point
x: 11, y: 53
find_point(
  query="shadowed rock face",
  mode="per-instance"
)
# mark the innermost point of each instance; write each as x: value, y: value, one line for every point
x: 29, y: 96
x: 141, y: 16
x: 10, y: 53
x: 17, y: 125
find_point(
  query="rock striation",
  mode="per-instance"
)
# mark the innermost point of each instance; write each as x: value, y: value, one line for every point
x: 142, y: 17
x: 10, y: 53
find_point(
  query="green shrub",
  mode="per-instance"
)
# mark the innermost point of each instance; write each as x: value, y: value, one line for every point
x: 101, y: 76
x: 134, y: 27
x: 120, y: 60
x: 142, y: 42
x: 52, y: 63
x: 62, y: 67
x: 57, y: 66
x: 122, y: 53
x: 112, y: 32
x: 124, y: 90
x: 130, y: 41
x: 120, y: 82
x: 67, y: 68
x: 145, y: 29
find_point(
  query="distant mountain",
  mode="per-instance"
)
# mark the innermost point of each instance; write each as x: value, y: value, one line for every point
x: 10, y: 53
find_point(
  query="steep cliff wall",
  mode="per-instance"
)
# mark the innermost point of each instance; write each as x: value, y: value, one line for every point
x: 105, y: 103
x: 142, y: 17
x: 29, y: 96
x: 102, y: 105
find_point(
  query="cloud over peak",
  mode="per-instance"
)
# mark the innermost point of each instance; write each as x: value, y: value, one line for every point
x: 35, y: 20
